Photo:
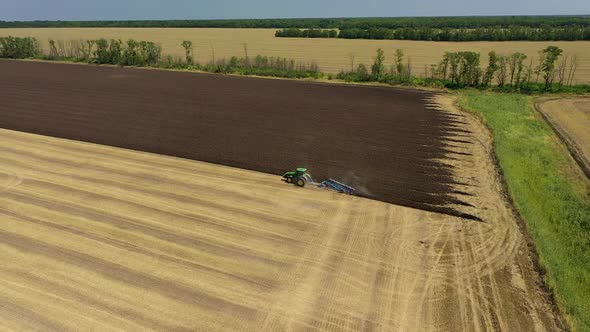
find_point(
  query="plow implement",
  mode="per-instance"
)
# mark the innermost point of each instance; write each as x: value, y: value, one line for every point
x: 337, y: 186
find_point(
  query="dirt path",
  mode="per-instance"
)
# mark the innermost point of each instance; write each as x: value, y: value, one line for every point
x: 95, y: 237
x: 570, y: 117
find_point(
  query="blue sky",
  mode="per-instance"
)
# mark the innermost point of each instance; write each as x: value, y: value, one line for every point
x: 206, y: 9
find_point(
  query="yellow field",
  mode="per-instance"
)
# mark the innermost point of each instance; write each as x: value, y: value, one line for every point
x: 332, y: 55
x: 571, y: 116
x: 100, y: 238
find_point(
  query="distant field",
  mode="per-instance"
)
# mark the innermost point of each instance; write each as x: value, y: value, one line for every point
x: 571, y: 117
x: 332, y: 55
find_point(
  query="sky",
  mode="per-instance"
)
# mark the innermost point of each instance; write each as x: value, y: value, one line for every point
x: 25, y: 10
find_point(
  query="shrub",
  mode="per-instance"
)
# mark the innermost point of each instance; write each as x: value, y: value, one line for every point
x: 142, y: 53
x: 378, y: 66
x: 101, y: 54
x: 188, y: 51
x: 115, y: 51
x: 19, y: 48
x: 360, y: 74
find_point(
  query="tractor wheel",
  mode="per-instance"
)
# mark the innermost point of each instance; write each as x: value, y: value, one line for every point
x: 301, y: 183
x: 289, y: 180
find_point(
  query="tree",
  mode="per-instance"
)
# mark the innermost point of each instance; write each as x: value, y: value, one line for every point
x: 377, y: 68
x: 188, y: 51
x: 19, y: 48
x: 572, y: 69
x: 399, y: 59
x: 87, y: 51
x: 433, y: 71
x: 351, y: 56
x: 519, y: 67
x: 547, y: 67
x: 516, y: 65
x: 130, y: 54
x: 362, y: 72
x: 470, y: 71
x: 502, y: 70
x: 408, y: 71
x: 61, y: 48
x: 246, y: 57
x: 149, y: 53
x: 444, y: 66
x: 53, y: 54
x: 529, y: 72
x: 454, y: 64
x: 512, y: 67
x: 561, y: 69
x: 212, y: 52
x: 101, y: 54
x: 491, y: 70
x: 115, y: 51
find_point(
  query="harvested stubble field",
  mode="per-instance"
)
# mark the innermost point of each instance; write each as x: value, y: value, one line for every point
x: 101, y: 238
x: 332, y: 55
x: 390, y: 144
x: 571, y: 118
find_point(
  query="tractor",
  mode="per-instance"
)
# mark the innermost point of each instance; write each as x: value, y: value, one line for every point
x: 300, y: 177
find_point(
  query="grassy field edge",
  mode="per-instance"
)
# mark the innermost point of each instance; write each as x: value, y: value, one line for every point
x: 548, y: 192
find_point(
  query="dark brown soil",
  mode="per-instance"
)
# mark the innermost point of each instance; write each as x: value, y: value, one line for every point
x: 385, y: 142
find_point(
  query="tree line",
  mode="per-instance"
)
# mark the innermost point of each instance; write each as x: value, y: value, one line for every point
x: 511, y: 33
x: 149, y: 54
x: 230, y: 23
x: 103, y: 51
x: 245, y: 65
x: 458, y: 22
x: 553, y: 71
x: 306, y: 33
x: 511, y: 72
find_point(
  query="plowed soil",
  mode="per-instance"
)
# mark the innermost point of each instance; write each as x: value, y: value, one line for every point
x: 389, y: 144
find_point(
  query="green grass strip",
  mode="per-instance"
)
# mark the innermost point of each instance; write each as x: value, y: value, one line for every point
x: 553, y: 200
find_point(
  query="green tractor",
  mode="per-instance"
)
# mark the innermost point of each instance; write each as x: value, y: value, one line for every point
x: 299, y: 177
